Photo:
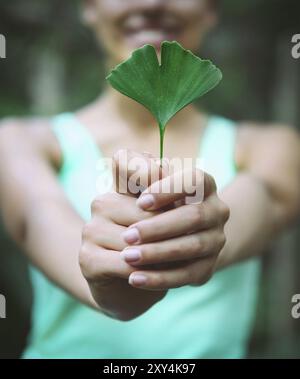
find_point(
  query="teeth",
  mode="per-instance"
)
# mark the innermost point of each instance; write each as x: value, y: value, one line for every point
x: 151, y: 34
x: 137, y: 22
x: 134, y: 22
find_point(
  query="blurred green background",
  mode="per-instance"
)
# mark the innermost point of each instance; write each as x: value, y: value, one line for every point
x: 54, y: 64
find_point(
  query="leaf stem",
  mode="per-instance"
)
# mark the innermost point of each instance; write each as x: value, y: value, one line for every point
x: 162, y: 135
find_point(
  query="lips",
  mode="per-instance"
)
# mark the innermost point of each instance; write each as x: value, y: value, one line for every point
x: 150, y: 36
x: 140, y: 30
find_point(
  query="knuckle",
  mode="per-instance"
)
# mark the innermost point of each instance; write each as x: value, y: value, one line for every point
x: 199, y: 216
x: 146, y: 254
x: 104, y: 202
x: 224, y: 211
x: 159, y: 281
x: 199, y: 244
x: 222, y: 240
x: 211, y: 182
x: 197, y: 213
x: 87, y: 231
x: 85, y: 258
x: 153, y: 253
x: 197, y: 279
x: 220, y: 209
x: 87, y: 264
x: 98, y: 205
x: 178, y: 249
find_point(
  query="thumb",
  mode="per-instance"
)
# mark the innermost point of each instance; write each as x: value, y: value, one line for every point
x: 133, y: 172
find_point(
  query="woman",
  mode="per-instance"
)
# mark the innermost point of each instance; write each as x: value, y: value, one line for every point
x: 138, y: 290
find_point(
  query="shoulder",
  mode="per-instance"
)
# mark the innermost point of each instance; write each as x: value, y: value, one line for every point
x: 35, y: 133
x: 258, y: 140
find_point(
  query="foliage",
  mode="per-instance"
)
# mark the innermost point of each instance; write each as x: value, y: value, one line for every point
x: 166, y: 88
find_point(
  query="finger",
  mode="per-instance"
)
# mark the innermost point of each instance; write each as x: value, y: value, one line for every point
x: 198, y: 272
x: 198, y: 245
x: 100, y: 264
x: 174, y: 223
x: 120, y: 209
x: 133, y: 172
x: 192, y: 185
x: 104, y: 234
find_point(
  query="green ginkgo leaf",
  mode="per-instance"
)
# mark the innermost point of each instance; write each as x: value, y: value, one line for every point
x: 166, y: 88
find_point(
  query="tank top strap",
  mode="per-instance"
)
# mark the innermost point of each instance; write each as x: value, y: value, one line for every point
x: 217, y: 150
x: 76, y: 143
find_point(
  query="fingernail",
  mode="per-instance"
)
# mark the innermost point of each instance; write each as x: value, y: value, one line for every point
x: 145, y: 201
x: 131, y: 255
x: 131, y: 235
x: 137, y: 279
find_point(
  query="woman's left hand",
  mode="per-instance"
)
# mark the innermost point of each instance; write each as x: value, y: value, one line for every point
x: 181, y: 244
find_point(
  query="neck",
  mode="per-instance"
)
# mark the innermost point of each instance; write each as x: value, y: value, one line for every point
x: 133, y: 113
x: 136, y: 116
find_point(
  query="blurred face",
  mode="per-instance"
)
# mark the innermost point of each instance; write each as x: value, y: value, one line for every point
x: 124, y: 25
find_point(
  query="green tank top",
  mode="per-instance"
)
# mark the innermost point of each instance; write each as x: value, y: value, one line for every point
x: 211, y: 321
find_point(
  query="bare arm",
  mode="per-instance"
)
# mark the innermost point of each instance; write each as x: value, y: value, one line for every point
x: 34, y: 208
x: 265, y: 197
x: 41, y: 220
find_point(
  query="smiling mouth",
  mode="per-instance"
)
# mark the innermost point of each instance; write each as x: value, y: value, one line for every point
x: 141, y: 30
